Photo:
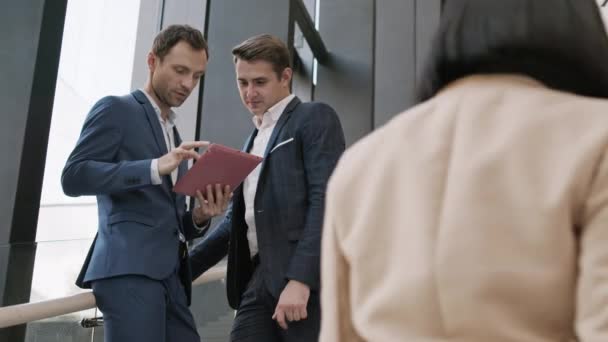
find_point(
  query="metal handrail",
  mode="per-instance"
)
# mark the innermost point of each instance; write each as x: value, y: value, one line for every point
x: 29, y: 312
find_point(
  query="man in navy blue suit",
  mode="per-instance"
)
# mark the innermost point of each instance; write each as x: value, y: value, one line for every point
x: 272, y: 229
x: 130, y: 155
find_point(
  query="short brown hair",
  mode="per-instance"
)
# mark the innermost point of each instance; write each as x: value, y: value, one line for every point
x: 173, y: 34
x: 264, y: 47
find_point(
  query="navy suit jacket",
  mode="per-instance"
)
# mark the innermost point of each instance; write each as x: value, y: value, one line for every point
x: 142, y: 226
x: 289, y: 205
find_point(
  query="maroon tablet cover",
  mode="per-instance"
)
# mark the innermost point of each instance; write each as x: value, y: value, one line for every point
x: 217, y: 165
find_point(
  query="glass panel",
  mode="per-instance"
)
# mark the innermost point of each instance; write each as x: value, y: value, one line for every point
x: 56, y: 267
x: 64, y: 329
x: 96, y: 60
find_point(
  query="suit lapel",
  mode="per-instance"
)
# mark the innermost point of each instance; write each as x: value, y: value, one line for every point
x: 157, y: 133
x: 152, y: 120
x: 277, y: 129
x: 249, y: 142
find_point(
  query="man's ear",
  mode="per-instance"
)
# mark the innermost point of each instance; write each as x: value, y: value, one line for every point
x: 152, y: 61
x: 286, y: 75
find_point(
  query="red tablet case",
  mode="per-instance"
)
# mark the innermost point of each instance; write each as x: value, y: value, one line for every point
x: 217, y: 165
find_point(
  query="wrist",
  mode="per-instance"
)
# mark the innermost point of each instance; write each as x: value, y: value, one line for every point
x: 199, y: 219
x: 299, y: 284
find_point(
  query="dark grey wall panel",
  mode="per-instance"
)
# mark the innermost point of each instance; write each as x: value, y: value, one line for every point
x: 19, y: 31
x: 346, y: 82
x: 224, y: 118
x: 428, y: 13
x: 31, y: 31
x: 395, y: 61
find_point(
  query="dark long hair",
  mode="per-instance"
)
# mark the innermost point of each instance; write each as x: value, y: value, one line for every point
x: 561, y: 43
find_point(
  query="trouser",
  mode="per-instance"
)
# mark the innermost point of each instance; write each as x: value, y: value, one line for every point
x: 254, y: 323
x: 140, y: 309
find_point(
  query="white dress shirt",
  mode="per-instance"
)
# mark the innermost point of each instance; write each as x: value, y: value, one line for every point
x: 167, y: 127
x: 250, y: 185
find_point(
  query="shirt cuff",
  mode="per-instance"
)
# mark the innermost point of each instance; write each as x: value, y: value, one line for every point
x: 200, y: 228
x: 154, y: 173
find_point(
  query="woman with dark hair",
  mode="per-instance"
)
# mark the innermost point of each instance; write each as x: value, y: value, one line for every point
x: 481, y: 214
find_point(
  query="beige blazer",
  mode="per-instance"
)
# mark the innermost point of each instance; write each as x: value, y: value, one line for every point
x: 478, y: 216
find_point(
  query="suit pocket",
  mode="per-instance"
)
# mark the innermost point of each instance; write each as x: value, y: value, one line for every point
x: 130, y: 217
x: 282, y: 143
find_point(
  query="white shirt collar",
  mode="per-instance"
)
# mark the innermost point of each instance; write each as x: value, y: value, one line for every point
x: 273, y: 113
x: 172, y: 115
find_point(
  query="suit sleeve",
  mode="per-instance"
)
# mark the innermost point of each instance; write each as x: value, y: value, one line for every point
x: 592, y: 292
x: 92, y: 167
x: 335, y: 297
x: 322, y: 144
x: 191, y: 230
x: 213, y: 248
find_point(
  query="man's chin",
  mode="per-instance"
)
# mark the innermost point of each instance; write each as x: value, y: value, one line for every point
x: 177, y: 103
x: 254, y: 111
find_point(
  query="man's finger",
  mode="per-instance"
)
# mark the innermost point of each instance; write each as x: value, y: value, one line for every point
x: 188, y: 145
x: 289, y: 314
x: 186, y: 154
x: 303, y: 313
x: 280, y: 318
x: 219, y: 196
x: 199, y: 197
x: 210, y: 196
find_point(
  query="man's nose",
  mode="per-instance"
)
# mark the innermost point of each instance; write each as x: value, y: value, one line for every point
x: 188, y: 83
x: 250, y: 91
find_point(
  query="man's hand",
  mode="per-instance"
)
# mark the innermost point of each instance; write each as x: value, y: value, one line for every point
x: 292, y: 303
x: 212, y: 204
x: 185, y: 151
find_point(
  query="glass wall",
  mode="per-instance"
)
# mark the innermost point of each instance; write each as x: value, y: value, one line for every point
x: 96, y: 60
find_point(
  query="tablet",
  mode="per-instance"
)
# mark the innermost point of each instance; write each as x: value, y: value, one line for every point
x: 219, y: 164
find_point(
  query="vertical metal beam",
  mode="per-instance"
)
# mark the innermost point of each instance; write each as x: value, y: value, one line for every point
x: 33, y: 31
x: 307, y: 25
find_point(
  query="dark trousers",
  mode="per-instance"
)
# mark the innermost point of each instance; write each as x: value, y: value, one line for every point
x: 254, y: 323
x: 139, y: 309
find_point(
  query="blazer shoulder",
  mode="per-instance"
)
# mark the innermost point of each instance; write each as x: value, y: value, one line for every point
x: 112, y: 108
x: 314, y: 106
x: 318, y: 111
x: 113, y: 102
